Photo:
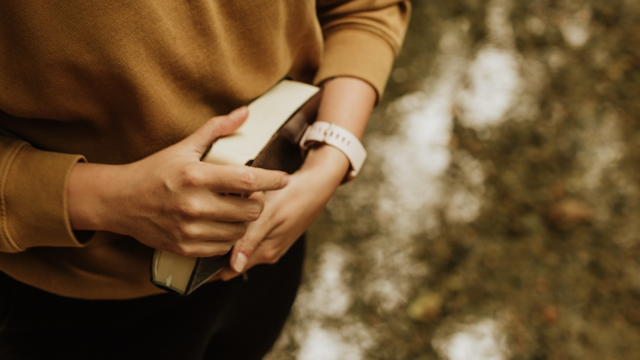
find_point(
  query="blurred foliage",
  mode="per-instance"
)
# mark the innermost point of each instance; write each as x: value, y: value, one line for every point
x: 554, y: 255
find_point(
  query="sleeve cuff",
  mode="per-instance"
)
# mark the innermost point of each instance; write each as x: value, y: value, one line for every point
x: 34, y: 199
x: 356, y: 53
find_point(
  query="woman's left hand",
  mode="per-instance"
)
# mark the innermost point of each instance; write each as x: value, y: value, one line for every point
x: 289, y: 212
x: 346, y: 102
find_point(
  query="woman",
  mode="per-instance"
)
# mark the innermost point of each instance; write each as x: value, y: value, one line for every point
x: 104, y: 119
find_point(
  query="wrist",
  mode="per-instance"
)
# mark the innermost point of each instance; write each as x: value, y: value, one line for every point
x: 339, y: 138
x: 87, y: 191
x: 326, y: 162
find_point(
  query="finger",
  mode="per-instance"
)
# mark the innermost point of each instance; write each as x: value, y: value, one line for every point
x: 234, y: 208
x: 215, y: 207
x: 227, y: 274
x: 240, y: 179
x: 204, y: 248
x: 214, y: 128
x: 191, y: 232
x: 267, y: 252
x: 243, y: 249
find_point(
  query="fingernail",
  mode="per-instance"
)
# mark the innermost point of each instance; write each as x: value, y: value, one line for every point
x: 238, y: 113
x: 241, y: 261
x: 284, y: 181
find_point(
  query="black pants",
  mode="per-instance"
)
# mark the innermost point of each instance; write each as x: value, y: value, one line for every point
x: 221, y: 320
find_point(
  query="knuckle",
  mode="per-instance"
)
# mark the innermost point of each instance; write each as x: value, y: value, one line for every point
x: 190, y: 208
x: 189, y: 231
x: 191, y: 176
x: 213, y: 122
x: 254, y: 212
x: 249, y: 180
x: 185, y: 250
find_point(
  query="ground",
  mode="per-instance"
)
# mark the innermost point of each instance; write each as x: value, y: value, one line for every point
x: 497, y: 216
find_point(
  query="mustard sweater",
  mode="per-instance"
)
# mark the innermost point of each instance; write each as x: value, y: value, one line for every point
x: 115, y: 81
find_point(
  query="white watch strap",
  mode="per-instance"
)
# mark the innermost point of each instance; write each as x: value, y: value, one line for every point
x: 340, y: 138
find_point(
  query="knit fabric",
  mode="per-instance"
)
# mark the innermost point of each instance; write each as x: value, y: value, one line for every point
x: 112, y: 82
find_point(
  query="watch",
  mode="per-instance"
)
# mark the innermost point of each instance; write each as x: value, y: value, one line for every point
x: 340, y: 138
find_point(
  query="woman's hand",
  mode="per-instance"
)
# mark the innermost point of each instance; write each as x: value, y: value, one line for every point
x: 346, y: 102
x: 290, y: 211
x: 171, y: 200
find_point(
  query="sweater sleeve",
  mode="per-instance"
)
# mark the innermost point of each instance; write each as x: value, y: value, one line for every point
x: 33, y: 201
x: 362, y: 38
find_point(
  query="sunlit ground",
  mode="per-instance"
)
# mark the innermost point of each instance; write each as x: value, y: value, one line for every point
x: 498, y: 214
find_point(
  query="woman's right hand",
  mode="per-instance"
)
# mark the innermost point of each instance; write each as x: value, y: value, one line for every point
x: 171, y: 200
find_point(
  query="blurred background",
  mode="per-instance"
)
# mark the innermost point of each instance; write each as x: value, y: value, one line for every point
x: 497, y: 216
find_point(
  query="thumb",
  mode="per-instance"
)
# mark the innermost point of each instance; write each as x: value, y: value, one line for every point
x: 214, y: 128
x: 244, y: 248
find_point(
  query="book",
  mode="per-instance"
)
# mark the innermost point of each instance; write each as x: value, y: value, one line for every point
x: 268, y: 139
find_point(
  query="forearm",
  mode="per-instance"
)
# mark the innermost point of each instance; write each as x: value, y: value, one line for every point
x: 171, y: 200
x: 346, y: 102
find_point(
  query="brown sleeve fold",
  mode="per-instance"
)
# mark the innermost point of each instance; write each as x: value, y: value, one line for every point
x: 362, y: 38
x: 33, y: 195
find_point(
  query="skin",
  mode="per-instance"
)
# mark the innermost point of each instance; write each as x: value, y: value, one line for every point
x: 171, y: 200
x: 347, y: 102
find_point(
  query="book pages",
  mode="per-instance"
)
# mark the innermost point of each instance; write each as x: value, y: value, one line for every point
x: 174, y: 271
